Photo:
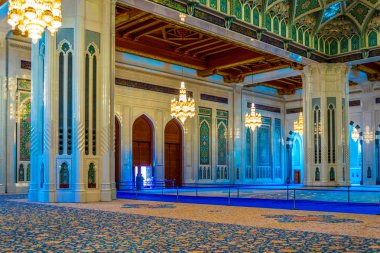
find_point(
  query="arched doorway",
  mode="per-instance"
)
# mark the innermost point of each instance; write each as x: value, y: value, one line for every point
x: 117, y: 153
x: 173, y: 152
x: 297, y: 161
x: 356, y: 154
x: 142, y: 137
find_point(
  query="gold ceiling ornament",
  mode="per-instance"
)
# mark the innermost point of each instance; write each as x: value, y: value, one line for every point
x: 184, y: 107
x: 298, y: 125
x: 31, y: 17
x: 253, y: 119
x: 182, y: 17
x: 355, y: 134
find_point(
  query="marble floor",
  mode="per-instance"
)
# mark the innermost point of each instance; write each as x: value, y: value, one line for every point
x: 144, y: 226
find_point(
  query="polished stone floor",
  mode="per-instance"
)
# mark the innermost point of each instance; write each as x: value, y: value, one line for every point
x: 143, y: 226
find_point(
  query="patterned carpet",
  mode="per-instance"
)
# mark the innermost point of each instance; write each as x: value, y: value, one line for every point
x: 27, y: 227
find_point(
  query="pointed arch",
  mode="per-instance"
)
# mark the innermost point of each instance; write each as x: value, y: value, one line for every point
x: 173, y: 151
x: 117, y: 151
x: 142, y: 144
x: 356, y: 154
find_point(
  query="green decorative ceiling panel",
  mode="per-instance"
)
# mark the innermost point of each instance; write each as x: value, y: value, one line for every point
x: 339, y: 21
x: 304, y: 6
x: 359, y: 12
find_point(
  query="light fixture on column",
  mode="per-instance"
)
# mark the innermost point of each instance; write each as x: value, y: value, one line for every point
x: 298, y: 125
x: 355, y: 135
x: 31, y: 17
x: 253, y: 119
x: 368, y: 135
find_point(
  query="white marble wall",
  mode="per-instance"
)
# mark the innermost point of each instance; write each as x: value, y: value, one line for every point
x: 13, y: 49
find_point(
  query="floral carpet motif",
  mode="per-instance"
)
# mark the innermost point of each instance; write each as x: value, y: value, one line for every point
x: 312, y: 218
x: 31, y: 227
x: 129, y: 205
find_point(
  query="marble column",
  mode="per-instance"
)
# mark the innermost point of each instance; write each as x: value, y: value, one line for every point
x: 369, y: 128
x: 238, y: 132
x: 3, y: 110
x: 325, y: 103
x: 72, y: 115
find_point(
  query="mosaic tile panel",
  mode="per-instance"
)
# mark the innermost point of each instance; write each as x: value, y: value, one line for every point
x: 204, y: 141
x: 25, y: 117
x: 222, y: 141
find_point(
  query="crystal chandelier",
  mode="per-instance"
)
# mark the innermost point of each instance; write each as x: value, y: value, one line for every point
x: 355, y: 135
x: 298, y: 125
x: 253, y: 119
x: 31, y: 17
x: 184, y: 107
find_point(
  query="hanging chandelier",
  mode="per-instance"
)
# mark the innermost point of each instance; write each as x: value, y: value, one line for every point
x: 31, y: 17
x: 355, y: 135
x: 253, y: 119
x: 298, y: 125
x: 184, y: 107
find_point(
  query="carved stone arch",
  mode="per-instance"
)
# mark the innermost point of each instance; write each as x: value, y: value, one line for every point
x: 95, y: 48
x: 119, y: 118
x: 60, y: 45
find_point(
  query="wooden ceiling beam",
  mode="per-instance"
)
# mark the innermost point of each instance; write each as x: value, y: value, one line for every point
x: 208, y: 54
x: 175, y: 44
x: 234, y: 58
x: 211, y: 49
x: 150, y: 30
x: 201, y: 41
x: 157, y: 53
x: 134, y: 22
x: 141, y: 27
x: 209, y: 44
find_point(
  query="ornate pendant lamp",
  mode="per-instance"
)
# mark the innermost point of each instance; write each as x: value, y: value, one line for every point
x: 184, y: 107
x: 31, y: 17
x: 253, y: 119
x: 298, y: 125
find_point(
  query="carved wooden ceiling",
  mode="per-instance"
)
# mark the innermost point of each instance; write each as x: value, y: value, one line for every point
x: 147, y: 35
x: 288, y: 85
x: 372, y: 69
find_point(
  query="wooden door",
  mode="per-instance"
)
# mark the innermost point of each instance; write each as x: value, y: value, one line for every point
x: 297, y: 176
x: 173, y: 152
x: 142, y: 142
x: 117, y: 153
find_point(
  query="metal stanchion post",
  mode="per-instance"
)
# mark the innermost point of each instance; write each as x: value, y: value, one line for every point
x: 294, y: 198
x: 229, y: 195
x: 177, y: 193
x: 287, y: 192
x: 196, y: 190
x: 348, y: 194
x: 238, y: 192
x: 162, y: 189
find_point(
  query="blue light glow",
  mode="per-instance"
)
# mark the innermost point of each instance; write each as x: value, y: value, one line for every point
x: 296, y: 57
x: 331, y: 11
